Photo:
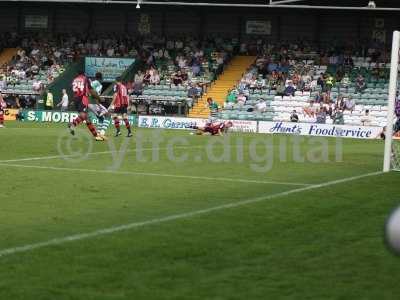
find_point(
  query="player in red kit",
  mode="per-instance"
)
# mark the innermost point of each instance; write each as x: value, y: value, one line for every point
x: 214, y: 128
x: 82, y: 88
x: 3, y: 105
x: 120, y: 103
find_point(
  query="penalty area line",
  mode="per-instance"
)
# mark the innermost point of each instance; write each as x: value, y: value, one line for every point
x: 72, y: 156
x: 156, y: 221
x: 92, y: 153
x: 223, y: 179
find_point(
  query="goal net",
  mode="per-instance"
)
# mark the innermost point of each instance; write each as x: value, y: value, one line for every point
x: 395, y: 159
x: 392, y: 141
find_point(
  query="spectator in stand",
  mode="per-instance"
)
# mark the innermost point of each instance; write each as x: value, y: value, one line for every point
x: 321, y: 81
x: 193, y: 92
x: 295, y: 79
x: 261, y: 83
x: 146, y: 78
x: 339, y: 103
x: 129, y: 87
x: 3, y: 83
x: 375, y: 73
x: 311, y: 84
x: 321, y: 115
x: 345, y: 82
x: 338, y: 117
x: 290, y: 89
x: 349, y: 104
x: 294, y: 117
x: 220, y: 59
x: 181, y: 61
x: 155, y: 78
x: 137, y: 88
x: 231, y: 99
x: 310, y: 110
x: 110, y: 52
x: 326, y: 98
x: 301, y: 85
x: 360, y: 84
x: 329, y: 83
x: 241, y: 99
x: 37, y: 85
x: 196, y: 67
x: 139, y: 76
x: 252, y: 84
x: 212, y: 106
x: 280, y: 88
x: 261, y: 106
x: 318, y: 98
x: 366, y: 118
x: 339, y: 75
x: 348, y: 62
x: 178, y: 78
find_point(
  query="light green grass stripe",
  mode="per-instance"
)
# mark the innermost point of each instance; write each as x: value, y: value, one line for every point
x: 115, y: 229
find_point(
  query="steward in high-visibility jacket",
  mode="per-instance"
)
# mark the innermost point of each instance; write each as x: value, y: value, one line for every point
x: 49, y: 101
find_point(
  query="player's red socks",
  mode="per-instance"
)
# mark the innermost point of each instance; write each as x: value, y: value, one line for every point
x: 1, y: 119
x: 77, y: 121
x: 82, y: 117
x: 116, y: 123
x: 128, y: 126
x: 92, y: 129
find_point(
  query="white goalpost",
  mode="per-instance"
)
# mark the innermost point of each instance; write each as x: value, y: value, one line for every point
x: 392, y: 147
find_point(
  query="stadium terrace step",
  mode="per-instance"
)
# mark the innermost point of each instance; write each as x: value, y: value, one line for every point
x: 219, y: 90
x: 7, y: 54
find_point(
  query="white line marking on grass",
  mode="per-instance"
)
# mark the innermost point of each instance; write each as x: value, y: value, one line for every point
x: 30, y: 158
x: 153, y: 174
x: 115, y: 229
x: 93, y: 153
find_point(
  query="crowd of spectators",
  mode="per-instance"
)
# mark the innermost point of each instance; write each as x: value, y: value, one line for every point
x: 187, y: 65
x: 185, y: 62
x: 38, y: 61
x: 285, y: 68
x: 288, y: 69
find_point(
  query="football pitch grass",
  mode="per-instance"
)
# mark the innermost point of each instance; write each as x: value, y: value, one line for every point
x: 112, y: 225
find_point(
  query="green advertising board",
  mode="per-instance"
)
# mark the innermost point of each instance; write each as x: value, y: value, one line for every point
x: 51, y: 116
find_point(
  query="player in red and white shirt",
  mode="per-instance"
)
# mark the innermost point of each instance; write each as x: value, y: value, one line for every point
x: 3, y: 106
x: 214, y: 128
x: 120, y: 103
x: 82, y: 89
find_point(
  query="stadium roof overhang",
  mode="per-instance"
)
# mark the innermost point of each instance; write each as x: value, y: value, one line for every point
x: 356, y: 5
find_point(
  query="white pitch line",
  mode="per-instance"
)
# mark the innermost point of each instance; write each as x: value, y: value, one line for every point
x: 115, y: 229
x: 153, y: 174
x: 33, y: 158
x: 93, y: 153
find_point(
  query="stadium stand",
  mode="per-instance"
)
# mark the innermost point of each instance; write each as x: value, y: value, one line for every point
x: 180, y: 72
x: 221, y: 87
x: 316, y: 87
x: 33, y: 66
x: 333, y: 85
